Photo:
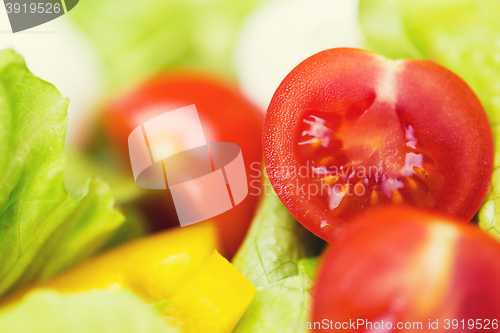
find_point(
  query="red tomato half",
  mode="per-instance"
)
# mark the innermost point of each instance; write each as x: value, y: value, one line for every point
x: 226, y: 116
x: 348, y: 129
x: 400, y: 265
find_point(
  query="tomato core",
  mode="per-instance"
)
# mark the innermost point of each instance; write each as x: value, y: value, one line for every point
x: 356, y: 161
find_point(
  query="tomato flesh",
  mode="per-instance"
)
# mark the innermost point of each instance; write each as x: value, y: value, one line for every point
x: 354, y: 130
x: 402, y: 264
x: 355, y: 171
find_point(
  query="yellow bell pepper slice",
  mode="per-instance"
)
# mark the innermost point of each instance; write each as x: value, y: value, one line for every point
x: 212, y: 300
x: 153, y: 267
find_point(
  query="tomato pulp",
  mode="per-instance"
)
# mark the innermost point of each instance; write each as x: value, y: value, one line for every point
x: 399, y: 265
x: 348, y: 130
x: 226, y: 116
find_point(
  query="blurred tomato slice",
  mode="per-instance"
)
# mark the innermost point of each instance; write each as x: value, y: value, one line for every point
x: 226, y: 116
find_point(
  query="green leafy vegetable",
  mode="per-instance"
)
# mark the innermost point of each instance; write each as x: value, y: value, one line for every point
x: 274, y: 244
x: 489, y: 215
x: 136, y: 41
x: 278, y: 307
x: 308, y: 267
x: 96, y: 312
x: 462, y: 36
x: 272, y: 257
x: 43, y: 230
x: 80, y: 166
x: 134, y: 227
x: 384, y: 29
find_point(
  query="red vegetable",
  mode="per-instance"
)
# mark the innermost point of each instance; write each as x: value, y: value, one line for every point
x: 403, y: 265
x: 348, y: 130
x: 226, y: 116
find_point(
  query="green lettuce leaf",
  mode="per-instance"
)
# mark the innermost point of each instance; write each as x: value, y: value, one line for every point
x: 461, y: 35
x: 489, y: 214
x: 384, y: 30
x: 43, y: 230
x: 96, y: 312
x: 80, y: 166
x: 275, y: 257
x: 279, y: 307
x: 274, y: 244
x: 137, y: 40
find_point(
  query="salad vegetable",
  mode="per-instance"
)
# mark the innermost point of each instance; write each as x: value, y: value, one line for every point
x: 43, y: 229
x: 398, y: 265
x: 348, y: 130
x: 153, y: 267
x: 194, y: 287
x: 275, y: 243
x: 385, y: 160
x: 96, y: 312
x: 225, y: 116
x: 277, y: 305
x: 462, y: 36
x: 276, y: 258
x: 212, y: 300
x: 136, y: 41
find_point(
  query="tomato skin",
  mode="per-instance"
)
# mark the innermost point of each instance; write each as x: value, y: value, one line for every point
x: 448, y: 120
x: 226, y: 116
x: 401, y: 264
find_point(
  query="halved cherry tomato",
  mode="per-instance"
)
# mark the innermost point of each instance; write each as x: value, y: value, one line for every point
x: 399, y: 265
x: 225, y: 114
x: 348, y: 129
